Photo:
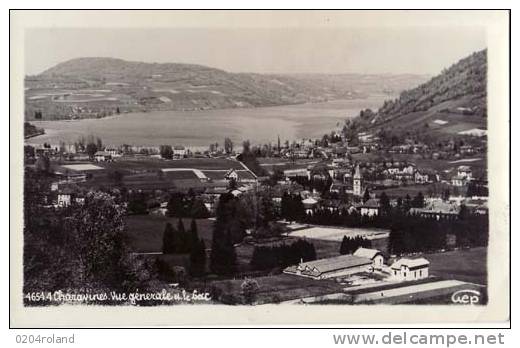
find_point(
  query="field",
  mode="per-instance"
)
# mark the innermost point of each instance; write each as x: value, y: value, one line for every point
x: 145, y: 173
x: 467, y: 265
x: 133, y: 165
x: 336, y: 234
x: 276, y: 288
x: 145, y: 232
x: 272, y: 164
x: 413, y: 190
x: 82, y: 167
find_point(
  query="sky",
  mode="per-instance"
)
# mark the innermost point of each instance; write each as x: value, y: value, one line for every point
x: 372, y: 50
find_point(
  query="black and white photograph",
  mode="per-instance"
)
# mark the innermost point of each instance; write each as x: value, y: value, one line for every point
x: 335, y: 159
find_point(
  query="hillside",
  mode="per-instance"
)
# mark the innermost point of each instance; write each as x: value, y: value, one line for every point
x: 97, y: 87
x: 450, y: 103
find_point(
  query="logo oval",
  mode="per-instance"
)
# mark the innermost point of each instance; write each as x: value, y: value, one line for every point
x: 466, y: 296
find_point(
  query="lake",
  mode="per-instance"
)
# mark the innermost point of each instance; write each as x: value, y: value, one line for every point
x: 200, y: 128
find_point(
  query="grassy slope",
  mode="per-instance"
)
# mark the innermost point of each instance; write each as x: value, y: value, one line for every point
x: 466, y: 265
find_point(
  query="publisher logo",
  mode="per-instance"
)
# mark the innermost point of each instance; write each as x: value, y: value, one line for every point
x: 466, y: 297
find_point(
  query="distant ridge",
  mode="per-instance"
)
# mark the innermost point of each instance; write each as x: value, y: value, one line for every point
x: 104, y: 67
x: 136, y: 86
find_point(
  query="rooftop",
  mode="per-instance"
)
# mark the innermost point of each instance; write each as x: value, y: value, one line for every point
x: 371, y: 203
x: 410, y: 263
x: 366, y: 253
x: 102, y: 153
x: 318, y: 267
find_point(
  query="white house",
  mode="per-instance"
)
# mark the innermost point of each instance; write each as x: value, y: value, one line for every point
x: 231, y: 174
x: 113, y: 152
x: 464, y: 172
x: 179, y: 151
x: 64, y: 199
x: 421, y: 178
x: 309, y: 204
x: 378, y: 260
x: 370, y: 207
x: 102, y: 156
x: 410, y: 269
x: 459, y: 181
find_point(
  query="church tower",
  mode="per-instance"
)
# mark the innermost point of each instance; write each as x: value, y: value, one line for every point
x: 356, y: 184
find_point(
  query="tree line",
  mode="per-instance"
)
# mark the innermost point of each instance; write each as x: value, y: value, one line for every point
x: 269, y: 257
x: 351, y: 244
x: 79, y: 248
x: 179, y: 241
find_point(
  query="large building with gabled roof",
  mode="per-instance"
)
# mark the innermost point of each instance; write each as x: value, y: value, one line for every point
x: 331, y: 267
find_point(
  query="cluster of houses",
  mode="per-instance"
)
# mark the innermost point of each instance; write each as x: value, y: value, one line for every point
x: 350, y: 180
x: 362, y: 261
x: 346, y: 176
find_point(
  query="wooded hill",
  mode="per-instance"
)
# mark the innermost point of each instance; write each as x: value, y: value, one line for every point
x: 451, y: 102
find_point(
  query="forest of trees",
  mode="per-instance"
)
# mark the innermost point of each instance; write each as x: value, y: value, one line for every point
x: 179, y: 241
x: 166, y: 151
x: 186, y: 205
x: 281, y: 256
x: 320, y: 185
x: 416, y: 234
x: 78, y: 248
x: 248, y: 157
x: 409, y: 232
x: 292, y: 208
x: 351, y: 244
x: 229, y: 228
x: 466, y: 77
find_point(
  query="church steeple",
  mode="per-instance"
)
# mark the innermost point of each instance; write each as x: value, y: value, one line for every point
x: 356, y: 182
x: 357, y: 173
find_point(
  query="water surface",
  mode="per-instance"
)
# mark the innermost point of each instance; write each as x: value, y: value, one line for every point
x: 200, y: 128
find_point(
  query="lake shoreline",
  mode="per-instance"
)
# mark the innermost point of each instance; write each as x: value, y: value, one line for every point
x: 260, y: 125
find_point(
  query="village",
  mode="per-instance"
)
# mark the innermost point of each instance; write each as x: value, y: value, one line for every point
x: 339, y: 202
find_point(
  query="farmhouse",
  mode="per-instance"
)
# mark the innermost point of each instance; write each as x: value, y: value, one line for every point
x: 332, y: 267
x: 370, y: 207
x: 69, y: 195
x: 179, y: 151
x: 464, y: 172
x: 102, y: 156
x: 241, y: 176
x: 410, y: 269
x: 378, y: 260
